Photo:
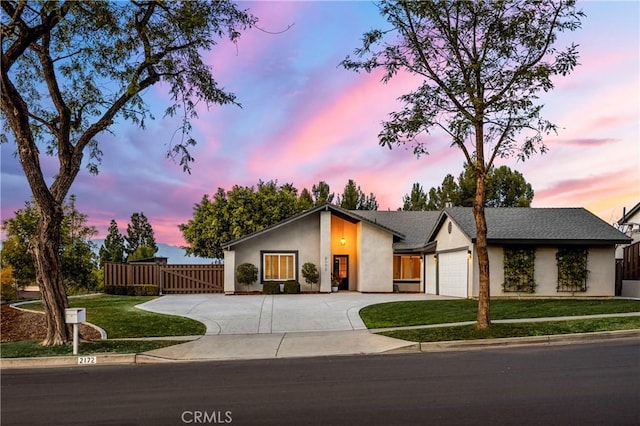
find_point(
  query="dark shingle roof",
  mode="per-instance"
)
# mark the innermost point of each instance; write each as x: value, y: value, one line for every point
x: 539, y: 225
x: 414, y: 225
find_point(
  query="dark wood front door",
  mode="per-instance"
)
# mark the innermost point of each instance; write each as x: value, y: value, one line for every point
x: 341, y: 270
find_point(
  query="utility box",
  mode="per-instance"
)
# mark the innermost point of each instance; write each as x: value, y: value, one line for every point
x: 75, y: 315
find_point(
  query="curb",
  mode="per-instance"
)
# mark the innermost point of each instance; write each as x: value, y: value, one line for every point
x: 531, y: 340
x: 67, y: 361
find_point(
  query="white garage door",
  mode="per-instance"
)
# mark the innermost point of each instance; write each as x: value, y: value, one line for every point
x: 453, y: 273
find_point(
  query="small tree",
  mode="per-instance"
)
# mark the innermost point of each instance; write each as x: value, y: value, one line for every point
x: 112, y: 249
x: 483, y: 65
x: 247, y: 274
x: 310, y: 274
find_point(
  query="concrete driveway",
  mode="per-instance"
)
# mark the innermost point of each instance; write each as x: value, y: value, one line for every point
x: 281, y: 313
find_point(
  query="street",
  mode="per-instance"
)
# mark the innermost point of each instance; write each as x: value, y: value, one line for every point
x: 596, y: 383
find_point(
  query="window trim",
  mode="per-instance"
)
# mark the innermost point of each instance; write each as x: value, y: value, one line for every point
x: 264, y: 253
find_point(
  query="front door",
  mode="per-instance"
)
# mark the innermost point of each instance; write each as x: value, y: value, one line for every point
x: 341, y: 270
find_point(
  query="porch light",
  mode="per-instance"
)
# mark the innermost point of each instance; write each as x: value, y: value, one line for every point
x: 469, y: 254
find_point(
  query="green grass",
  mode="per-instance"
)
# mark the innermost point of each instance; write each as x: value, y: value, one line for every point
x: 32, y: 348
x: 399, y: 314
x: 118, y: 316
x: 469, y: 332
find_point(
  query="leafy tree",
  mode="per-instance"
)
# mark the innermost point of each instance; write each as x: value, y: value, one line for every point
x: 322, y: 194
x: 354, y: 199
x: 483, y: 65
x: 305, y: 201
x: 417, y: 200
x: 70, y: 69
x: 15, y: 249
x: 508, y: 189
x: 75, y: 251
x: 140, y: 234
x: 232, y: 214
x: 112, y: 249
x: 505, y: 188
x: 8, y: 288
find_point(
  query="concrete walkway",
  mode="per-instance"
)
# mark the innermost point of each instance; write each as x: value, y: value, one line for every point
x: 277, y: 326
x: 281, y: 313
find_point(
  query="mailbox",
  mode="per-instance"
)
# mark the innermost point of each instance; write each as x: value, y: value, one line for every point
x: 75, y: 315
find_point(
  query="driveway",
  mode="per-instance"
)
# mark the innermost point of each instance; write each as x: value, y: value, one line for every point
x: 282, y: 313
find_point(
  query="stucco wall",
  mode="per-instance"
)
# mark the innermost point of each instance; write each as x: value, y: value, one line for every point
x: 302, y: 235
x: 375, y: 266
x: 600, y: 283
x: 454, y: 240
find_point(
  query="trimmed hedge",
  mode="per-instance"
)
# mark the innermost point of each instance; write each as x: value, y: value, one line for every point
x: 133, y: 290
x: 271, y: 287
x: 292, y: 287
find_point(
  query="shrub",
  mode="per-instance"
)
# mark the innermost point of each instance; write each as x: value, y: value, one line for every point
x: 8, y: 293
x: 310, y: 274
x: 271, y: 287
x: 133, y: 290
x: 292, y: 287
x: 246, y: 273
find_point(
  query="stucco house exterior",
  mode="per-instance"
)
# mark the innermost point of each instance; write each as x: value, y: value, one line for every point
x: 431, y: 251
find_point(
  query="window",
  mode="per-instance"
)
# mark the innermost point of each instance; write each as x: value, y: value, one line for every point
x: 279, y: 266
x: 406, y: 268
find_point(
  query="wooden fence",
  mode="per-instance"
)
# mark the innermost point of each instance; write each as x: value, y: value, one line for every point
x: 631, y: 262
x: 171, y: 279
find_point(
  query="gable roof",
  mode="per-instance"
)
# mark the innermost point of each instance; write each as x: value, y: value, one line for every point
x: 523, y: 225
x: 349, y: 215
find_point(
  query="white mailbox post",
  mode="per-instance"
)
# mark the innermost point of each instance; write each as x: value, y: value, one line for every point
x: 75, y: 316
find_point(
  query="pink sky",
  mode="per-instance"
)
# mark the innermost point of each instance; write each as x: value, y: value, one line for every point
x: 305, y: 119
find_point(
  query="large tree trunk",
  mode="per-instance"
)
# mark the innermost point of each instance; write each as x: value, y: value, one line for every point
x: 484, y: 317
x: 45, y: 250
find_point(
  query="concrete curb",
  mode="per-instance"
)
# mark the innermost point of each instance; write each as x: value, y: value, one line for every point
x: 531, y: 340
x: 65, y: 361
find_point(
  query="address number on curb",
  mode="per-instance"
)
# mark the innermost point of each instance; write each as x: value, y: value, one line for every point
x: 87, y: 360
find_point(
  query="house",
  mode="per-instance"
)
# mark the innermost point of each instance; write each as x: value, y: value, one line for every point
x: 531, y: 251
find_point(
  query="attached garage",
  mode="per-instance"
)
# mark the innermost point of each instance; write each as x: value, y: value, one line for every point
x: 453, y: 273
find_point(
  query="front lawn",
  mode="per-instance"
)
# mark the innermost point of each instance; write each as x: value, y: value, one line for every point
x: 469, y: 332
x: 400, y: 314
x: 119, y: 317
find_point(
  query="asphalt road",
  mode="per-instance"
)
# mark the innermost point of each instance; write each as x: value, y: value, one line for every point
x: 553, y: 385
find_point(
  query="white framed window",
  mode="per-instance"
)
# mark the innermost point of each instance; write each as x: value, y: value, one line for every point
x: 279, y: 266
x: 406, y: 268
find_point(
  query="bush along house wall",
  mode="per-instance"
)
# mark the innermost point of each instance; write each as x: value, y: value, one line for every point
x: 519, y: 269
x: 572, y: 269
